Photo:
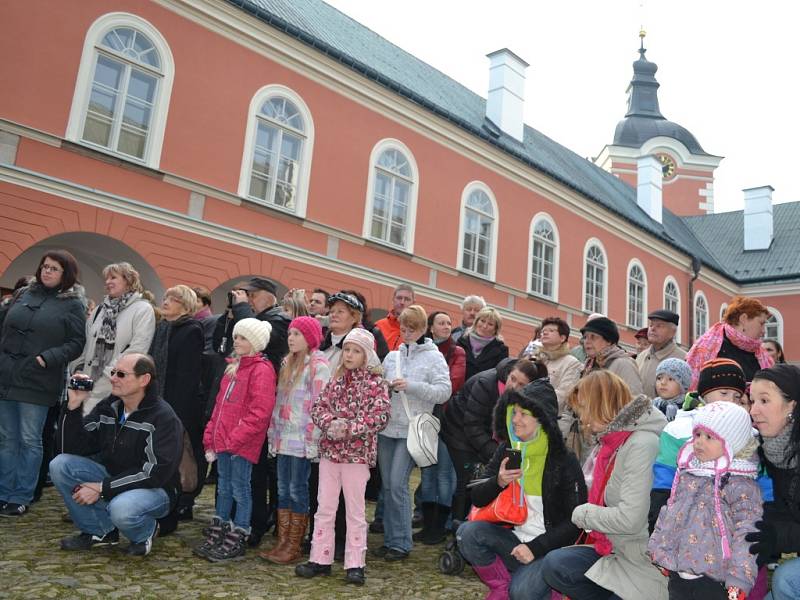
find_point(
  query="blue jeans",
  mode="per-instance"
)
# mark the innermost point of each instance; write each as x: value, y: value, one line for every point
x: 293, y: 475
x: 564, y: 570
x: 233, y: 483
x: 133, y: 512
x: 786, y: 581
x: 439, y: 481
x: 481, y: 543
x: 396, y: 464
x: 21, y: 426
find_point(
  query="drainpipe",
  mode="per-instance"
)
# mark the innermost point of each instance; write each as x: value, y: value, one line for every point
x: 696, y: 266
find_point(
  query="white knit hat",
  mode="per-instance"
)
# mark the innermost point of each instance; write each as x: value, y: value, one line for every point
x: 727, y: 421
x: 254, y: 331
x: 366, y: 341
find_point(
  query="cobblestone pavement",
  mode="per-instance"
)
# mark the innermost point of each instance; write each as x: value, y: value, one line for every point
x: 32, y: 566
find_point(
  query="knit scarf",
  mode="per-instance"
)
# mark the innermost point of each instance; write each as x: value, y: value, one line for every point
x: 551, y: 355
x: 534, y: 455
x: 599, y: 359
x: 778, y: 449
x: 478, y: 342
x: 160, y: 347
x: 111, y: 308
x: 609, y: 445
x: 708, y: 345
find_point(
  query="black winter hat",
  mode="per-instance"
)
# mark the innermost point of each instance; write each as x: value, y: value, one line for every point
x: 604, y: 327
x: 720, y: 374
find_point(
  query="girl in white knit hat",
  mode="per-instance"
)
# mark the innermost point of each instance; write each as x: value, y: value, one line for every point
x: 699, y: 539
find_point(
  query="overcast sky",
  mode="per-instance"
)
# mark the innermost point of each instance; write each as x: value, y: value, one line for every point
x: 728, y: 70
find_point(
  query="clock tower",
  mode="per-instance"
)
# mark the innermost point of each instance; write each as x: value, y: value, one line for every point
x: 688, y: 184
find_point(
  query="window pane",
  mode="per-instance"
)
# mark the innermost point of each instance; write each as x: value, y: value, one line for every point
x: 142, y: 86
x: 131, y: 142
x: 108, y: 73
x: 97, y: 130
x: 136, y: 116
x: 258, y: 187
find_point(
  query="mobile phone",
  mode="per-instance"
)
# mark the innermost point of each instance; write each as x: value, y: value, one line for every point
x: 514, y: 459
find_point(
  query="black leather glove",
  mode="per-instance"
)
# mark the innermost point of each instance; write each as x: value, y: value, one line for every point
x: 765, y: 540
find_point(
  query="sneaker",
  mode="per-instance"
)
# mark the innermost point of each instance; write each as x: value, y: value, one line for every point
x: 85, y: 541
x: 12, y: 509
x: 311, y: 569
x: 355, y: 576
x: 142, y: 548
x: 393, y: 554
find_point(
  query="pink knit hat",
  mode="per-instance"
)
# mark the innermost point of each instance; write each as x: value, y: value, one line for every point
x: 311, y: 330
x: 366, y: 341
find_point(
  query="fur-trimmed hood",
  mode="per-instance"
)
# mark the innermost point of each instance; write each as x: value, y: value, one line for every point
x: 638, y: 415
x: 76, y: 291
x: 539, y: 397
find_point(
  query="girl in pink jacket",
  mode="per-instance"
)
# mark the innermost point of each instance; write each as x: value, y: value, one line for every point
x: 234, y: 436
x: 350, y: 412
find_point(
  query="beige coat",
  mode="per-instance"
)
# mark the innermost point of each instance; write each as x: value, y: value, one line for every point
x: 627, y: 571
x: 564, y: 372
x: 649, y: 360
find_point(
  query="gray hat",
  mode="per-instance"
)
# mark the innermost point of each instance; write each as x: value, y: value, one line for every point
x: 664, y: 315
x: 260, y: 283
x: 677, y: 369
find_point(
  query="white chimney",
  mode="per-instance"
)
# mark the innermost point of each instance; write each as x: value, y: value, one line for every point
x: 758, y: 217
x: 506, y: 92
x: 649, y: 180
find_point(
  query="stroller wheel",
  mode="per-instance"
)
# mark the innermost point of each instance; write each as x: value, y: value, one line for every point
x: 451, y: 562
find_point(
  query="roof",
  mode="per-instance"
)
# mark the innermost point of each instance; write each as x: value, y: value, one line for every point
x: 358, y: 47
x: 781, y: 261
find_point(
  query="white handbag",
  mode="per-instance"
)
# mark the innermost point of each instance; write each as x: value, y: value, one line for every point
x: 423, y: 432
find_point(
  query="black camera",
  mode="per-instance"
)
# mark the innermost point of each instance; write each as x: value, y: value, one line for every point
x: 231, y: 298
x: 82, y: 384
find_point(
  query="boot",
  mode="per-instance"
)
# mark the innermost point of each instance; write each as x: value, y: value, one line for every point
x: 291, y: 551
x: 438, y: 532
x: 428, y: 521
x: 232, y: 547
x: 496, y: 577
x: 214, y: 533
x: 284, y: 516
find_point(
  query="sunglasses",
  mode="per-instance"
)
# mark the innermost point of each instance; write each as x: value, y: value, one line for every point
x: 120, y: 374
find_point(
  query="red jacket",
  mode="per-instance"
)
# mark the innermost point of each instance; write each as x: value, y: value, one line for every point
x: 243, y: 410
x: 456, y: 361
x: 390, y: 328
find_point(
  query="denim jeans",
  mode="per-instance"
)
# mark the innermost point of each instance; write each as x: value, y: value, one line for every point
x: 21, y: 426
x: 293, y: 475
x: 133, y: 512
x: 564, y: 570
x: 439, y: 481
x: 481, y: 542
x: 233, y: 483
x: 786, y: 581
x: 396, y: 465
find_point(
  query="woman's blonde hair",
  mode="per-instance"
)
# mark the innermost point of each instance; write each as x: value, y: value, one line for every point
x: 128, y: 273
x: 492, y: 315
x: 414, y: 316
x: 599, y: 396
x: 186, y: 296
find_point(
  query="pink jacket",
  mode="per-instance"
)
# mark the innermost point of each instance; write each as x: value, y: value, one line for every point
x: 243, y: 410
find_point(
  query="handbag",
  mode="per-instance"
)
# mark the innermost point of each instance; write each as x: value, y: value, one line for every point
x: 509, y: 507
x: 422, y: 440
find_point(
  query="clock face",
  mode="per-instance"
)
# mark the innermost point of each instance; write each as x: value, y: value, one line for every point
x: 669, y: 165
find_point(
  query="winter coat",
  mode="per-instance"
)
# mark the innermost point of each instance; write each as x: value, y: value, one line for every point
x: 136, y: 324
x: 41, y: 322
x: 489, y: 358
x: 467, y: 423
x: 784, y: 513
x: 687, y: 540
x: 648, y: 361
x: 563, y: 485
x: 456, y: 361
x: 243, y: 410
x: 277, y: 347
x: 425, y: 370
x: 618, y: 362
x: 291, y: 430
x: 564, y: 371
x: 747, y: 360
x: 389, y: 327
x: 362, y: 399
x: 628, y: 571
x: 143, y: 453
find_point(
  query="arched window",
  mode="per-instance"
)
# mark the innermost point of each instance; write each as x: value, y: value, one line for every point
x: 392, y: 197
x: 672, y: 301
x: 594, y: 278
x: 774, y: 326
x: 277, y: 158
x: 478, y: 239
x: 123, y: 89
x: 722, y: 310
x: 543, y: 267
x: 637, y: 295
x: 700, y: 314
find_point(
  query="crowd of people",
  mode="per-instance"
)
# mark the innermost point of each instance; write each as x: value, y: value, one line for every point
x: 591, y: 472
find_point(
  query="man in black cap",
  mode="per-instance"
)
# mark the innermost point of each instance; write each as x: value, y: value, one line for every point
x: 661, y: 334
x: 600, y: 340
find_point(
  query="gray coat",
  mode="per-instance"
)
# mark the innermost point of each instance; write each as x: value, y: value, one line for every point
x: 628, y: 571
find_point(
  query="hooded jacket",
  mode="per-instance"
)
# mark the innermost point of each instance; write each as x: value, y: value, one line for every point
x: 41, y: 322
x: 563, y: 485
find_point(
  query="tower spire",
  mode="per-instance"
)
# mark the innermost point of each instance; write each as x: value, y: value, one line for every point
x: 643, y: 89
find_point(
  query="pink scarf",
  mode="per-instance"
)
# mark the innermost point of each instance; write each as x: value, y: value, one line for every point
x: 603, y: 467
x: 707, y: 347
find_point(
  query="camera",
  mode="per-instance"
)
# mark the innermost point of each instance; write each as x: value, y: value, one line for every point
x: 81, y: 384
x: 231, y: 298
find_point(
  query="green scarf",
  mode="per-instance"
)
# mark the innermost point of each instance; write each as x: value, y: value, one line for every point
x: 534, y: 455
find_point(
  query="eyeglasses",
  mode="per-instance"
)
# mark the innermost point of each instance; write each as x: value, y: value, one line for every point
x: 51, y: 269
x: 121, y: 374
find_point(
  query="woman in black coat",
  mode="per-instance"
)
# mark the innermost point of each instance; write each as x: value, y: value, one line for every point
x: 509, y: 560
x: 43, y: 330
x: 482, y: 342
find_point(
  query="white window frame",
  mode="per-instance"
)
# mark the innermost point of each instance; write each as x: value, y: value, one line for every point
x: 723, y: 307
x: 84, y: 81
x: 258, y: 100
x: 607, y: 269
x: 543, y: 216
x: 636, y: 263
x: 779, y: 321
x: 698, y: 295
x: 377, y: 150
x: 667, y: 280
x: 465, y: 194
